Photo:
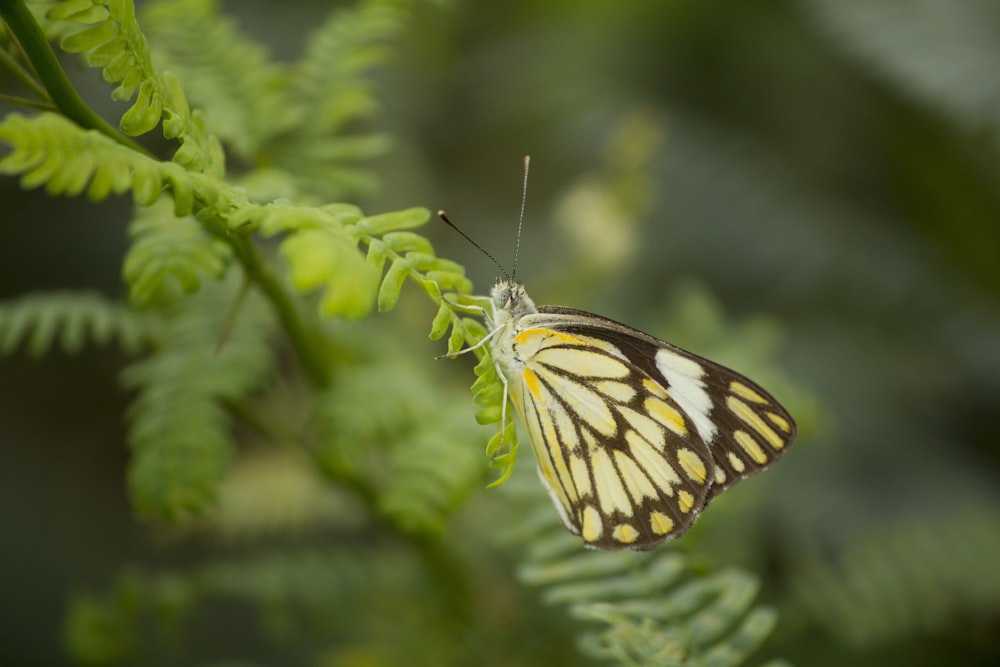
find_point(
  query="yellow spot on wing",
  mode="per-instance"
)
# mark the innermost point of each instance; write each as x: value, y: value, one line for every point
x: 692, y: 465
x: 659, y: 470
x: 750, y: 446
x: 590, y: 341
x: 567, y: 429
x: 666, y: 415
x: 619, y: 391
x: 581, y: 475
x: 644, y: 426
x: 753, y: 420
x: 608, y: 486
x: 544, y: 337
x: 635, y: 480
x: 588, y: 405
x: 660, y: 523
x: 655, y: 388
x: 779, y: 421
x: 746, y: 392
x: 685, y: 501
x: 533, y: 384
x: 720, y: 475
x: 532, y: 416
x: 592, y: 525
x: 625, y: 533
x: 581, y: 362
x: 736, y: 462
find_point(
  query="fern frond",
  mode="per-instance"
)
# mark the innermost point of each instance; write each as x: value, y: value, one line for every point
x: 384, y: 427
x: 225, y: 73
x: 169, y: 255
x: 70, y: 320
x: 178, y: 427
x: 421, y: 492
x: 655, y: 607
x: 330, y: 92
x: 916, y: 579
x: 115, y: 42
x: 51, y: 151
x: 488, y: 394
x: 146, y: 615
x: 321, y: 249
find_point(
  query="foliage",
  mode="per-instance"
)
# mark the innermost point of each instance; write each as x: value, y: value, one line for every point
x: 653, y: 608
x: 910, y: 582
x: 307, y: 473
x: 71, y: 319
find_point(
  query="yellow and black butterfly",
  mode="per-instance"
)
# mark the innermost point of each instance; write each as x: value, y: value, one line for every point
x: 633, y: 436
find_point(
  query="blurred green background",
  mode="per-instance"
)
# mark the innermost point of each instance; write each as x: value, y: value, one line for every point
x: 807, y: 190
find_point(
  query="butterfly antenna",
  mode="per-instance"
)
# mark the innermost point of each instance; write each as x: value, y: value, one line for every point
x: 520, y: 219
x: 444, y: 216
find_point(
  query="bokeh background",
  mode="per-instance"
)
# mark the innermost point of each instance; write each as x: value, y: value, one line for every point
x: 807, y: 190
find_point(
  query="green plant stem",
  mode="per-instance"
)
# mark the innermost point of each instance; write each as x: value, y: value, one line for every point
x: 24, y: 102
x: 20, y: 73
x: 57, y: 85
x: 51, y: 73
x: 302, y: 342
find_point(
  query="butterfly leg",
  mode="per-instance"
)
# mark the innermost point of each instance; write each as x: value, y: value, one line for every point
x: 503, y: 405
x: 465, y: 308
x: 486, y: 339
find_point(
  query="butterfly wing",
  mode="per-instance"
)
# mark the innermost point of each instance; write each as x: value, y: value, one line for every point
x: 634, y: 435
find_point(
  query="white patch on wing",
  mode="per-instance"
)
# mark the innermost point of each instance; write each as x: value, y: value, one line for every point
x: 685, y: 386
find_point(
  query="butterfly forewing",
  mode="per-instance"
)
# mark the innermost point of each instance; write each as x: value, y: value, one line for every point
x: 633, y: 435
x: 623, y: 463
x: 745, y: 428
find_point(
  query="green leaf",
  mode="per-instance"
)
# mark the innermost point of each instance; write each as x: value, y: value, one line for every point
x: 456, y: 341
x: 443, y: 319
x: 52, y: 151
x: 392, y: 285
x: 402, y: 242
x: 70, y: 318
x: 178, y: 428
x: 144, y: 115
x: 88, y: 38
x: 376, y: 225
x: 169, y: 255
x: 329, y: 258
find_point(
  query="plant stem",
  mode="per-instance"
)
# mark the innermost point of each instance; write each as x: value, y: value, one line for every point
x: 57, y: 85
x: 20, y: 73
x: 51, y: 73
x: 24, y: 102
x: 302, y: 342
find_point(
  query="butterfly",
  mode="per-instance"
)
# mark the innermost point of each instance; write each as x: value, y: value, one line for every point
x: 633, y: 436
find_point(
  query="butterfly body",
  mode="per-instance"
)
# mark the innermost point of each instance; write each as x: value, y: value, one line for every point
x: 633, y: 436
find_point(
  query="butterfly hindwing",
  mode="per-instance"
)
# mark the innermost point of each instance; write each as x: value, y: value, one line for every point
x: 634, y: 435
x: 625, y: 465
x: 744, y: 426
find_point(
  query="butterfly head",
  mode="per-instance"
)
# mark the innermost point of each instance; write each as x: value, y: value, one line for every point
x: 510, y: 302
